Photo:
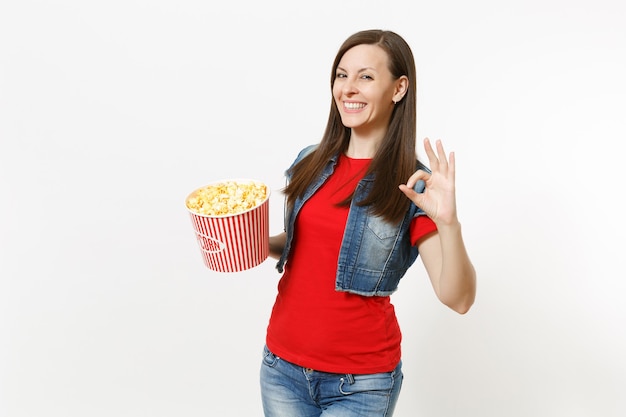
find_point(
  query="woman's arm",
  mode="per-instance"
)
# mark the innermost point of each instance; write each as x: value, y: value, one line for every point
x: 449, y: 268
x: 443, y: 253
x: 277, y: 244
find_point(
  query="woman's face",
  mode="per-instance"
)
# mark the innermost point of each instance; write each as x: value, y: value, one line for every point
x: 364, y: 90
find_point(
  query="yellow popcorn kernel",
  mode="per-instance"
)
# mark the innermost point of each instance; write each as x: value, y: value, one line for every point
x: 227, y: 198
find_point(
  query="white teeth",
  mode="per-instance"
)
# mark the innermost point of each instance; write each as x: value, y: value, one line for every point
x: 354, y: 106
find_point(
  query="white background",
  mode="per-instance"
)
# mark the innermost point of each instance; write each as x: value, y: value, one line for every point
x: 112, y: 111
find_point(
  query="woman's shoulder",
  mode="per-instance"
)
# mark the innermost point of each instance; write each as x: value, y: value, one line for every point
x: 306, y: 151
x: 301, y: 155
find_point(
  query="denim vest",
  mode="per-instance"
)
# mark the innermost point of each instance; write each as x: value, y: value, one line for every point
x: 374, y: 254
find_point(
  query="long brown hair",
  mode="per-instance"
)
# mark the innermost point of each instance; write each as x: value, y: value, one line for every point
x: 395, y: 159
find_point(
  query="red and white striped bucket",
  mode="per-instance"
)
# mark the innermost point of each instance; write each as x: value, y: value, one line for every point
x: 233, y: 243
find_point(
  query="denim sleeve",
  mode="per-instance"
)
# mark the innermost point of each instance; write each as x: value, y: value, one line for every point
x: 304, y: 152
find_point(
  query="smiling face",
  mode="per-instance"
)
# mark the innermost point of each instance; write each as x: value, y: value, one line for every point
x: 365, y: 90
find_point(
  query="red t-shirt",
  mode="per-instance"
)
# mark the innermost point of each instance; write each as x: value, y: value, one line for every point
x: 313, y: 325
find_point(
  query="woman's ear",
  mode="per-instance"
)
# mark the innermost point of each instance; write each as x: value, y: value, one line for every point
x: 402, y: 86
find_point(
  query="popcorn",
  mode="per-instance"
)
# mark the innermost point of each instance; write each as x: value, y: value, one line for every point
x: 227, y: 198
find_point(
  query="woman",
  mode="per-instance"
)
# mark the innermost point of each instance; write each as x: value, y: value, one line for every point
x: 352, y: 229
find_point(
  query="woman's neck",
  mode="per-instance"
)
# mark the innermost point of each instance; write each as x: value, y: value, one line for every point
x: 362, y: 147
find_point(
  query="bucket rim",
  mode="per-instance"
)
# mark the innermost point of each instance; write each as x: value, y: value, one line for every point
x: 268, y: 191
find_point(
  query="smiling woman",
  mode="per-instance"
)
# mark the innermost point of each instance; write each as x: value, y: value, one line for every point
x: 333, y: 340
x: 365, y: 93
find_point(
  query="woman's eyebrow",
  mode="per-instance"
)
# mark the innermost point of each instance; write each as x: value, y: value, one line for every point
x: 361, y: 70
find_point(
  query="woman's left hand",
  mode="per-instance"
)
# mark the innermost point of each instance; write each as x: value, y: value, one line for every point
x: 438, y: 199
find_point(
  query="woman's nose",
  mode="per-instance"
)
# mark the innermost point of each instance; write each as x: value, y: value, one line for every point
x: 349, y: 86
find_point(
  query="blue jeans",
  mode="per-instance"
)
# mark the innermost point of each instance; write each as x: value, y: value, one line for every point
x: 289, y: 390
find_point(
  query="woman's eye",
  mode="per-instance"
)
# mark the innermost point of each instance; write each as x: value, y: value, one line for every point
x: 340, y: 75
x: 366, y: 77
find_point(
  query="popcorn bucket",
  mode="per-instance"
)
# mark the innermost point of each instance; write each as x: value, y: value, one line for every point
x: 233, y: 242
